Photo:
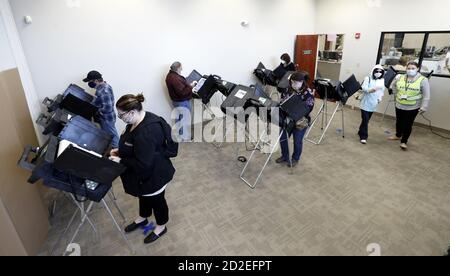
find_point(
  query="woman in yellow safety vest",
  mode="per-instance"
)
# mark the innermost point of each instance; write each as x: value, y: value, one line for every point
x: 412, y: 96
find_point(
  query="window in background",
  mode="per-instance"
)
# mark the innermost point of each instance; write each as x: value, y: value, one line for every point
x: 437, y: 54
x: 397, y: 49
x: 430, y: 49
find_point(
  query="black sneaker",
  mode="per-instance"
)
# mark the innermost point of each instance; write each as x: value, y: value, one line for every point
x: 153, y: 237
x: 280, y: 160
x: 292, y: 164
x: 134, y: 226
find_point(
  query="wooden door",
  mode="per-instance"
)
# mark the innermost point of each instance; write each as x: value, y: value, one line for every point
x: 306, y: 54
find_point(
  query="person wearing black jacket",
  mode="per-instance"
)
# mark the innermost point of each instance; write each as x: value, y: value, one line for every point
x: 148, y: 170
x: 286, y: 66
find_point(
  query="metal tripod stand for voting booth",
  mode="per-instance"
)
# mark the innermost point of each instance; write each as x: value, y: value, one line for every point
x: 323, y: 114
x: 273, y: 148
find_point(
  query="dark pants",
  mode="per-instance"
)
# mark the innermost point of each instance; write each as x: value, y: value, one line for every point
x: 364, y: 128
x: 156, y: 204
x: 298, y: 144
x: 405, y: 122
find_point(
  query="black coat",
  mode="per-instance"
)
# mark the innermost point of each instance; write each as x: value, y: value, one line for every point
x: 142, y: 153
x: 281, y: 70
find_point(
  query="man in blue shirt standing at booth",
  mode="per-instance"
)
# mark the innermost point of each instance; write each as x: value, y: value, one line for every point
x: 105, y: 102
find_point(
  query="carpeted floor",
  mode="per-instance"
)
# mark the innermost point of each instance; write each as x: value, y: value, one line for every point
x: 342, y: 197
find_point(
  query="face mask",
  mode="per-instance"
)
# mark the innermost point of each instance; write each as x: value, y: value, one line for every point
x: 378, y: 75
x: 92, y: 84
x: 128, y: 118
x: 411, y: 73
x: 297, y: 85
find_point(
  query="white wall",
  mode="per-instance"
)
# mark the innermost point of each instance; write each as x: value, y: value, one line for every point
x: 7, y: 60
x: 371, y: 17
x: 15, y: 57
x: 133, y: 42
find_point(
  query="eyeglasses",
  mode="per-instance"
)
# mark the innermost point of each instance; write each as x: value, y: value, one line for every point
x: 121, y: 115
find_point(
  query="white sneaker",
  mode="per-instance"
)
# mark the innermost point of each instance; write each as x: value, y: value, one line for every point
x: 404, y: 146
x: 364, y: 142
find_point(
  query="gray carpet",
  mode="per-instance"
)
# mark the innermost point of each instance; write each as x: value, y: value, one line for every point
x: 342, y: 197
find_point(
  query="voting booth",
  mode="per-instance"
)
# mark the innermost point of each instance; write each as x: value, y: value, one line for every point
x: 76, y: 163
x: 75, y: 101
x: 332, y: 91
x: 290, y: 111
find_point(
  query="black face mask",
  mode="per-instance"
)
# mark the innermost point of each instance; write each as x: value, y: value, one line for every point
x: 92, y: 84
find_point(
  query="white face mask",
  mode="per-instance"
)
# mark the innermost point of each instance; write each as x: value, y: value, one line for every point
x: 297, y: 85
x: 378, y: 75
x: 412, y: 73
x: 129, y: 118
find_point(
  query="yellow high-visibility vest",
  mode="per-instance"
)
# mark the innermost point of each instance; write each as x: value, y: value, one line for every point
x: 409, y: 93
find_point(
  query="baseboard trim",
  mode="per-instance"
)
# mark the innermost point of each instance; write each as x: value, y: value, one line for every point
x: 417, y: 124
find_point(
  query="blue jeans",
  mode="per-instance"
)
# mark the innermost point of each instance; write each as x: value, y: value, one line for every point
x: 298, y: 144
x: 110, y: 128
x: 185, y: 123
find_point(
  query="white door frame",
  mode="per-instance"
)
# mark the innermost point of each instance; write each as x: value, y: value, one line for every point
x: 34, y: 104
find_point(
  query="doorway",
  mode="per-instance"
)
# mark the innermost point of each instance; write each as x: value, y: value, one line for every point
x: 320, y: 55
